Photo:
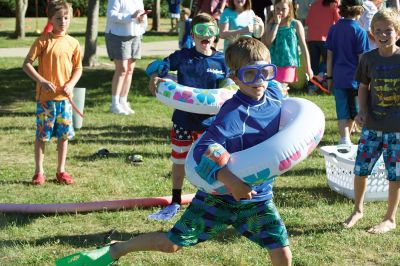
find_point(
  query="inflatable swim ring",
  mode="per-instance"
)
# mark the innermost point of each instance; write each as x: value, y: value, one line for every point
x: 189, y: 99
x: 301, y: 129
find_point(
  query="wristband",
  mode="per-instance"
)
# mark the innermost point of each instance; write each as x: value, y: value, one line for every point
x: 328, y: 77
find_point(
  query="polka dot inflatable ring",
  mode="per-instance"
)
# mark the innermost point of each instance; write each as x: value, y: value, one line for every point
x: 189, y: 99
x: 302, y: 126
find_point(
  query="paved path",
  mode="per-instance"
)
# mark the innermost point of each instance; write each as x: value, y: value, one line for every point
x: 163, y: 48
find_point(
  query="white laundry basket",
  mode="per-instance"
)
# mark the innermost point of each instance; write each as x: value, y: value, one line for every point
x: 339, y: 171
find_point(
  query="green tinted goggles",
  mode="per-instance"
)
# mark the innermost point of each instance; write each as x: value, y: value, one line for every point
x: 206, y: 29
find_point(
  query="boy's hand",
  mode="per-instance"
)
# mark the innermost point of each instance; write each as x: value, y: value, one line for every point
x: 241, y: 190
x: 360, y: 118
x: 67, y: 90
x: 48, y: 86
x: 153, y: 83
x: 237, y: 187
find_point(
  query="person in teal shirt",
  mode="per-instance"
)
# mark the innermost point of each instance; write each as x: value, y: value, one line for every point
x: 238, y: 20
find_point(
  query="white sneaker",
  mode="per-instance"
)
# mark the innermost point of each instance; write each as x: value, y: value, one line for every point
x: 344, y: 145
x: 117, y: 109
x: 127, y: 108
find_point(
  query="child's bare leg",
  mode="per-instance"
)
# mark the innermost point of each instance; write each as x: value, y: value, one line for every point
x: 281, y: 256
x: 39, y: 156
x: 389, y: 220
x: 62, y: 148
x: 360, y: 185
x: 146, y: 242
x: 178, y: 175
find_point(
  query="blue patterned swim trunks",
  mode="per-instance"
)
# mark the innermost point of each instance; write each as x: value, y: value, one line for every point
x: 371, y: 145
x: 54, y: 119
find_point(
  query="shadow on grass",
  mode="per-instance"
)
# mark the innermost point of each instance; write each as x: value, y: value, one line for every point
x: 131, y: 135
x: 88, y: 241
x: 96, y: 81
x: 306, y: 197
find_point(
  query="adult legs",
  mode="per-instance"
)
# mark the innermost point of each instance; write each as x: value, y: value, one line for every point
x: 121, y: 83
x: 127, y: 85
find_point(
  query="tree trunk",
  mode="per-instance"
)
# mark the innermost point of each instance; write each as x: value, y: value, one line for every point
x: 156, y: 15
x: 20, y: 10
x: 92, y: 23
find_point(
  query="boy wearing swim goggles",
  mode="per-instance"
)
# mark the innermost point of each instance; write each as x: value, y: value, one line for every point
x: 200, y: 67
x: 245, y: 120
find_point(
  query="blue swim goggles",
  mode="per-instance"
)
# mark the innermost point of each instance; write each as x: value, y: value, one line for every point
x: 208, y: 29
x: 259, y: 70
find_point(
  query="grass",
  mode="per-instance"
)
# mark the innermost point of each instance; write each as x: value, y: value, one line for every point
x: 77, y: 29
x: 311, y: 211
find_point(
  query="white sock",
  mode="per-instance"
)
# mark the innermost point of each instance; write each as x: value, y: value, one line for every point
x: 115, y: 100
x: 123, y: 100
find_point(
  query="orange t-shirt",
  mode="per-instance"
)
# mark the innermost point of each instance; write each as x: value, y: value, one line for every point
x: 59, y: 56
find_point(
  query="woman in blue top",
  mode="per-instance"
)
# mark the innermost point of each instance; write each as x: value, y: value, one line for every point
x: 238, y: 20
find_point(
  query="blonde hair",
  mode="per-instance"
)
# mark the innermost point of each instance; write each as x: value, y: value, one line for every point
x: 291, y: 14
x: 389, y: 15
x: 57, y: 5
x: 244, y: 51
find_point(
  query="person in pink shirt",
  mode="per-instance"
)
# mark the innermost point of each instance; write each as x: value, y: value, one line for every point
x: 321, y: 16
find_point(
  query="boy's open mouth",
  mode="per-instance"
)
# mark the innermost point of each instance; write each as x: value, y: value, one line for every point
x: 205, y: 42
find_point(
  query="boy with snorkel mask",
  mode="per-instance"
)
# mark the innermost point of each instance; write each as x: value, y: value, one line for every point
x: 200, y: 67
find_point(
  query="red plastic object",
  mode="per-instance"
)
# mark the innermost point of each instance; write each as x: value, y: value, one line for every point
x: 91, y: 206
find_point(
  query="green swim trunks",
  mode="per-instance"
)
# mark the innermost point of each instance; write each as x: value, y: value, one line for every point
x: 209, y: 215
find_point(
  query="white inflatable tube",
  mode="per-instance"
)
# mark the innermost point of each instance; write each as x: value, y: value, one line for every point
x: 301, y: 129
x: 189, y: 99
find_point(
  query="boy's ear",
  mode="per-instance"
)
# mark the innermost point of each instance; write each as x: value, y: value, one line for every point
x: 233, y: 77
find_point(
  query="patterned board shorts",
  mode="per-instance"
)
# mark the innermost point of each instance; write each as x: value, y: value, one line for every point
x: 181, y: 141
x: 371, y: 145
x: 54, y: 119
x: 209, y: 215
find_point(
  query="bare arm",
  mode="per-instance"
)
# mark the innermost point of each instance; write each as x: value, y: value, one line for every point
x: 239, y: 189
x: 271, y: 28
x: 226, y: 33
x: 69, y: 86
x: 303, y: 46
x: 363, y: 91
x: 33, y: 74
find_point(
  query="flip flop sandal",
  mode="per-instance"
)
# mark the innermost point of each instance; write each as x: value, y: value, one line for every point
x: 135, y: 159
x: 97, y: 257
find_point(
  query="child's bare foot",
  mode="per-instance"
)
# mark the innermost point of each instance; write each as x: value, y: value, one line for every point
x: 353, y: 219
x: 384, y: 227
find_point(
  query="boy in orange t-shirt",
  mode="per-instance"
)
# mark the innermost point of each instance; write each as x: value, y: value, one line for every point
x: 59, y: 69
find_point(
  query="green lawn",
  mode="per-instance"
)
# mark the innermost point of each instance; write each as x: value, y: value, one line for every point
x: 311, y: 211
x: 77, y: 29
